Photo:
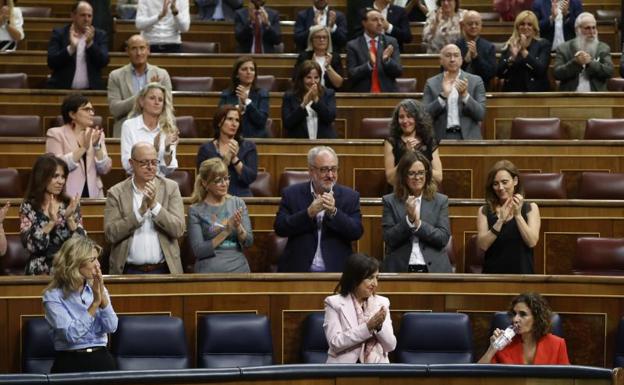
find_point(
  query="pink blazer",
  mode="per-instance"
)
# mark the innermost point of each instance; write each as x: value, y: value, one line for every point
x: 61, y: 141
x: 345, y: 336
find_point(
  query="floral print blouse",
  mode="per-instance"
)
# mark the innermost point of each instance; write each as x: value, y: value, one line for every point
x: 446, y: 32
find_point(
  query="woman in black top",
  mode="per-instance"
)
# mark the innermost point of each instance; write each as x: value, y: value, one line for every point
x: 508, y: 227
x: 523, y: 65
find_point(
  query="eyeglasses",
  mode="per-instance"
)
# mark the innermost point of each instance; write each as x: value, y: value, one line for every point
x: 320, y: 37
x: 90, y: 110
x: 221, y: 180
x: 415, y: 174
x: 589, y: 28
x: 326, y: 170
x: 147, y: 162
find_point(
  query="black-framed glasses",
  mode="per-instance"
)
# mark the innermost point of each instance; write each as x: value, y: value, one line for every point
x: 221, y: 180
x: 416, y: 174
x: 147, y: 162
x: 326, y: 170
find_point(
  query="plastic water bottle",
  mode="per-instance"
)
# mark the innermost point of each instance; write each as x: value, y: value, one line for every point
x: 505, y: 338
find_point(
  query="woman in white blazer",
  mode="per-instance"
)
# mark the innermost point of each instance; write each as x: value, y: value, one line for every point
x: 357, y: 321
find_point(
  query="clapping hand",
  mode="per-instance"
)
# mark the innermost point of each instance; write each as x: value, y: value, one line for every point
x: 376, y: 321
x: 3, y: 211
x: 74, y: 37
x: 472, y: 50
x: 387, y: 53
x: 505, y: 211
x: 242, y: 93
x: 462, y: 87
x: 413, y: 212
x: 89, y: 34
x: 316, y: 206
x: 233, y: 148
x: 149, y: 197
x: 72, y: 207
x: 447, y: 84
x: 328, y: 202
x: 171, y: 139
x: 165, y: 9
x: 517, y: 202
x: 331, y: 18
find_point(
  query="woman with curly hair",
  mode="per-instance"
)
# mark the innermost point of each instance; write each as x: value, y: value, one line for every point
x: 533, y: 343
x: 152, y: 122
x: 411, y: 129
x: 508, y: 227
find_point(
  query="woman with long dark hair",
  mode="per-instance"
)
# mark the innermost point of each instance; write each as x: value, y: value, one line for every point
x: 48, y: 217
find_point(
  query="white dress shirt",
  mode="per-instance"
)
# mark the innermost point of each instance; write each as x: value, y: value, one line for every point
x: 18, y: 23
x: 166, y: 30
x: 416, y: 256
x: 558, y: 37
x: 145, y: 246
x: 81, y: 75
x: 311, y: 121
x: 134, y: 131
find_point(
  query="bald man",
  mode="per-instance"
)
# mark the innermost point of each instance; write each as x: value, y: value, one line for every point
x: 455, y: 99
x: 478, y: 54
x: 77, y: 52
x: 125, y: 82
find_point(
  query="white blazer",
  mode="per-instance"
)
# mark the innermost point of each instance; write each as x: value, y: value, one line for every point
x: 346, y: 337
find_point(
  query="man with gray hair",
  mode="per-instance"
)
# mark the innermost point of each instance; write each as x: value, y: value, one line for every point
x: 320, y: 218
x: 583, y: 64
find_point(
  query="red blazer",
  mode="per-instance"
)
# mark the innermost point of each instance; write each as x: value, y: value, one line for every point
x: 551, y: 350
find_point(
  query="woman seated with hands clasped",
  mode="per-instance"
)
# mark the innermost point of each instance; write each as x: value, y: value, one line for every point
x: 309, y: 109
x: 219, y: 225
x: 78, y: 309
x: 415, y: 220
x: 508, y: 227
x: 357, y: 321
x: 533, y: 344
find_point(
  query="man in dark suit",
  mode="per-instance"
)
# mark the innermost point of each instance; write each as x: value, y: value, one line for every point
x: 320, y: 218
x: 556, y: 19
x: 395, y: 21
x: 583, y: 64
x: 321, y: 14
x: 257, y: 28
x: 479, y: 55
x: 455, y: 99
x: 216, y: 10
x: 78, y: 52
x: 370, y: 72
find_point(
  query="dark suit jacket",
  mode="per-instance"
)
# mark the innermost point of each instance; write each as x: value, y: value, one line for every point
x: 253, y: 122
x: 63, y: 65
x: 528, y: 74
x: 542, y: 9
x: 484, y: 64
x: 433, y: 234
x: 358, y: 64
x: 292, y: 221
x: 336, y: 63
x: 470, y: 113
x: 294, y: 116
x: 244, y: 31
x: 567, y: 70
x: 305, y: 19
x: 400, y: 25
x: 207, y: 7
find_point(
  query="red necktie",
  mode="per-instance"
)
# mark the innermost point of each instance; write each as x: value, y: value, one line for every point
x: 257, y: 34
x: 375, y: 88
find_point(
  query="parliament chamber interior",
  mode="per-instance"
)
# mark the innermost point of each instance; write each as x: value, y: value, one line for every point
x: 572, y: 166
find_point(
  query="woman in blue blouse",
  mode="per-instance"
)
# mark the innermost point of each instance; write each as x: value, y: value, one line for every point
x: 78, y: 309
x: 251, y: 100
x: 239, y: 155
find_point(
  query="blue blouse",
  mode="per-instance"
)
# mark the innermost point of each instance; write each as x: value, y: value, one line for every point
x: 72, y: 325
x: 255, y: 114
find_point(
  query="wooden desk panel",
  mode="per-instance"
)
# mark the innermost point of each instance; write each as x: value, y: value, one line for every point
x: 589, y: 306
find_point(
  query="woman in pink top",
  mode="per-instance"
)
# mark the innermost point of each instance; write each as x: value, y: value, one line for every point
x: 81, y: 146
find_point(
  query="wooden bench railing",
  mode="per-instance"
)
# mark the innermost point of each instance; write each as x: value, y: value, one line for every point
x: 572, y: 108
x: 590, y: 307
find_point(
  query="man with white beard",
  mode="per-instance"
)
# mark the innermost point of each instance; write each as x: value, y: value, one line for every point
x: 583, y: 64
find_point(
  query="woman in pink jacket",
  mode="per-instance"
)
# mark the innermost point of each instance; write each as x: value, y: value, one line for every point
x: 81, y: 146
x: 357, y: 321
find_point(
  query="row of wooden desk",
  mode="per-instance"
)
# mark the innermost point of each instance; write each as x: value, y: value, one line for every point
x: 37, y: 33
x: 219, y: 66
x: 574, y: 109
x: 590, y: 307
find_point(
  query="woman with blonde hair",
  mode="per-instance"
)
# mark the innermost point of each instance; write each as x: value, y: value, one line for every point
x: 523, y: 65
x: 320, y: 50
x: 78, y: 309
x: 219, y: 226
x: 152, y: 120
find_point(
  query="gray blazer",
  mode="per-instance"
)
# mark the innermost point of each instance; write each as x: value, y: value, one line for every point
x: 121, y: 93
x: 433, y: 234
x: 471, y: 113
x: 567, y: 70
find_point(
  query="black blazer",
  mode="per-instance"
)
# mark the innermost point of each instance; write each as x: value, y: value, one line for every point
x: 336, y: 63
x: 244, y: 32
x: 358, y: 61
x: 400, y: 25
x: 528, y: 74
x: 484, y: 64
x: 305, y: 19
x: 294, y: 116
x: 63, y: 65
